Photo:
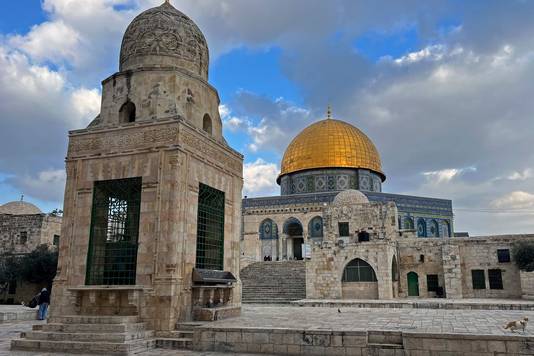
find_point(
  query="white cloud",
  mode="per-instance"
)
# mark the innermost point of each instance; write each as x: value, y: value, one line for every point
x: 260, y: 178
x: 514, y: 200
x: 446, y: 175
x: 53, y: 41
x: 48, y: 185
x: 524, y: 175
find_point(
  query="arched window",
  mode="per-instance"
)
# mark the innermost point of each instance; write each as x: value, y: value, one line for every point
x: 434, y: 228
x: 268, y: 230
x: 359, y: 271
x: 293, y: 227
x: 447, y: 229
x: 408, y: 223
x: 421, y: 228
x: 127, y: 113
x: 315, y: 227
x: 206, y: 124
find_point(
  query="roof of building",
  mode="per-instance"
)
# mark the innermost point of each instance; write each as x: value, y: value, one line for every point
x: 164, y: 37
x: 19, y: 208
x: 331, y: 144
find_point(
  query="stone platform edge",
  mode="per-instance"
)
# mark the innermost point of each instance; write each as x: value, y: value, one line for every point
x: 288, y: 341
x: 441, y: 304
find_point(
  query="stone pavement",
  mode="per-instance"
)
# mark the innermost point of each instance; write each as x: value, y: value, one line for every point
x: 478, y: 322
x: 474, y: 322
x: 422, y: 303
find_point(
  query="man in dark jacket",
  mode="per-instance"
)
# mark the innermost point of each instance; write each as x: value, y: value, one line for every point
x: 44, y: 301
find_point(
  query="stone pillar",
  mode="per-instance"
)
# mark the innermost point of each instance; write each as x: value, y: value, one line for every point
x: 452, y: 270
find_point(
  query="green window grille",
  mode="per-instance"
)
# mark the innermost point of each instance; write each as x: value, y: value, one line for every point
x: 112, y: 258
x: 495, y: 279
x: 210, y: 229
x: 359, y: 271
x: 432, y: 283
x: 479, y: 279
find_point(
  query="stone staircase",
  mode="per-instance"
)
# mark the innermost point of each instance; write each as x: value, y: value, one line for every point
x: 107, y: 335
x: 273, y: 282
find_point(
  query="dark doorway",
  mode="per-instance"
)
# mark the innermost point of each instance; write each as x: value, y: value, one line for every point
x: 297, y: 248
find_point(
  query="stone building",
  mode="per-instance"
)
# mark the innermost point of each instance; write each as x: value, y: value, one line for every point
x: 24, y: 227
x: 358, y: 242
x: 153, y: 195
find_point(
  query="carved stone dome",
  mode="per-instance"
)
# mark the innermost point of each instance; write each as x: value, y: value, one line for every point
x: 165, y: 37
x: 349, y: 197
x: 19, y: 208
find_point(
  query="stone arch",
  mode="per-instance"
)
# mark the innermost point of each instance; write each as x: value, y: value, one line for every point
x: 408, y: 223
x: 127, y: 113
x: 421, y: 228
x: 359, y: 280
x: 434, y: 228
x: 315, y: 227
x: 295, y: 239
x: 293, y: 227
x: 268, y: 230
x: 207, y: 124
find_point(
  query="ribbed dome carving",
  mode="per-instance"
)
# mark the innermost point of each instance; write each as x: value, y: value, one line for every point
x: 331, y: 144
x: 165, y: 37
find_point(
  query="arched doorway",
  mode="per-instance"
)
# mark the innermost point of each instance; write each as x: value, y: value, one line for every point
x: 421, y: 228
x: 294, y: 232
x: 269, y: 240
x: 315, y: 228
x: 413, y: 284
x: 359, y: 281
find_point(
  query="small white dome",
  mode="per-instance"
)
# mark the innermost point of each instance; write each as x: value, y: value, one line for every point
x: 19, y: 208
x: 351, y: 196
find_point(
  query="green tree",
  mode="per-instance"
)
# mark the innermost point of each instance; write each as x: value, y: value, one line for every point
x: 39, y: 266
x: 9, y: 268
x: 523, y: 254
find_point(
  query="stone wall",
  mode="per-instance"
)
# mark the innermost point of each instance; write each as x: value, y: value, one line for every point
x: 281, y: 341
x: 527, y: 284
x: 39, y: 229
x: 172, y: 157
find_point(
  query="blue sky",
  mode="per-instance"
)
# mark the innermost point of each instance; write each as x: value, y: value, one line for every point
x: 440, y: 90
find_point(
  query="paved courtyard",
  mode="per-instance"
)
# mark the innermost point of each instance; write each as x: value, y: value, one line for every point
x: 485, y: 322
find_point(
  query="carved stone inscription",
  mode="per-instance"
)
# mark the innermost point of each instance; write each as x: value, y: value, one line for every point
x: 122, y: 141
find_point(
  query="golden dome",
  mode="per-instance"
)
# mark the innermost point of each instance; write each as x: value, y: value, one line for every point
x: 331, y: 144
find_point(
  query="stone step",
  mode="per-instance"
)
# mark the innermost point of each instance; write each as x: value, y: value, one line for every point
x: 88, y: 337
x: 176, y: 334
x: 188, y: 325
x: 183, y: 343
x: 77, y: 347
x: 90, y: 319
x: 88, y: 328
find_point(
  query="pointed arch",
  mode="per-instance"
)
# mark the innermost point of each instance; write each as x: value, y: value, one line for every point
x: 315, y: 227
x: 268, y: 230
x: 421, y: 228
x: 127, y: 113
x: 207, y: 124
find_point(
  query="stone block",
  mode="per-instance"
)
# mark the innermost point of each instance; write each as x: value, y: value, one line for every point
x: 496, y: 346
x: 350, y: 340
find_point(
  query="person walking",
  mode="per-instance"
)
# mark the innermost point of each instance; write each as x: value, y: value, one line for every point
x: 44, y: 301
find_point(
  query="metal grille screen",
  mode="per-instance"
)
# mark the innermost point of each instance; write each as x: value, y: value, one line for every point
x: 112, y: 255
x: 210, y: 229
